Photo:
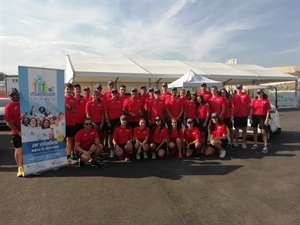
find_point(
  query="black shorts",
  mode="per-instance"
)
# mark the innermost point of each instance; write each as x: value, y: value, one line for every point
x: 70, y: 131
x: 113, y: 124
x: 164, y: 146
x: 228, y: 122
x: 99, y: 124
x: 240, y: 121
x: 192, y: 147
x: 258, y: 120
x: 78, y: 127
x: 224, y: 143
x: 17, y: 141
x: 201, y: 127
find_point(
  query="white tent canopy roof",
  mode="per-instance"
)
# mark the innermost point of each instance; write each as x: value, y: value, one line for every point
x: 95, y: 69
x: 191, y: 79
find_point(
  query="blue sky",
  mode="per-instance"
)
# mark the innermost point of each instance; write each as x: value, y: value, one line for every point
x: 40, y: 33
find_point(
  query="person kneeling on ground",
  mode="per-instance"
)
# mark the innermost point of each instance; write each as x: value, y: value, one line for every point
x: 192, y: 139
x: 159, y: 136
x: 87, y: 144
x: 141, y: 137
x: 122, y: 139
x: 175, y: 139
x: 218, y: 136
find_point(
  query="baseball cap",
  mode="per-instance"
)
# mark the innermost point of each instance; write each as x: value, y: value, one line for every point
x: 123, y: 117
x: 13, y: 91
x: 114, y: 91
x: 259, y: 90
x: 110, y: 82
x: 164, y: 85
x: 190, y: 120
x: 239, y: 86
x: 97, y: 86
x: 86, y: 89
x: 194, y: 93
x: 174, y: 89
x: 157, y: 118
x: 157, y: 91
x: 203, y: 84
x: 143, y: 87
x: 133, y: 90
x: 214, y: 115
x: 151, y: 90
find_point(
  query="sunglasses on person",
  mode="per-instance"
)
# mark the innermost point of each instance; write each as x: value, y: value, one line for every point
x: 88, y: 124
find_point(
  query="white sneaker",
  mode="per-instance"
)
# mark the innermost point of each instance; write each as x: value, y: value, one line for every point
x: 153, y: 155
x: 222, y: 153
x: 244, y: 145
x: 72, y: 161
x: 112, y: 154
x: 236, y: 145
x: 265, y: 150
x: 138, y: 157
x: 254, y: 147
x: 145, y: 155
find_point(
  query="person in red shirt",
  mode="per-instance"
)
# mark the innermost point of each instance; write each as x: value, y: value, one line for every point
x: 143, y: 95
x: 192, y: 139
x: 122, y: 139
x: 80, y: 115
x: 228, y: 114
x: 95, y: 110
x: 174, y: 108
x: 164, y: 92
x: 175, y: 139
x: 204, y: 92
x: 102, y: 97
x: 218, y: 136
x: 183, y: 95
x: 141, y: 139
x: 87, y: 144
x: 241, y: 107
x: 216, y: 102
x: 87, y: 94
x: 203, y: 116
x: 122, y: 94
x: 159, y: 137
x: 260, y: 115
x: 148, y: 101
x: 190, y: 108
x: 156, y: 108
x: 13, y: 118
x: 71, y: 110
x: 110, y: 87
x: 113, y: 111
x: 133, y: 108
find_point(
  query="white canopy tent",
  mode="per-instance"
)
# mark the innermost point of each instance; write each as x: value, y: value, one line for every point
x: 90, y: 70
x: 191, y: 79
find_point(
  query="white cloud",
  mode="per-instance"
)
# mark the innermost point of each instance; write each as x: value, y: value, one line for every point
x: 41, y: 33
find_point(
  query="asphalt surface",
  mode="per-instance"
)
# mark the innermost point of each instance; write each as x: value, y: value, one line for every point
x: 247, y: 187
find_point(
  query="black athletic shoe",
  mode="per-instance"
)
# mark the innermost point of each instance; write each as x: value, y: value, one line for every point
x: 95, y: 164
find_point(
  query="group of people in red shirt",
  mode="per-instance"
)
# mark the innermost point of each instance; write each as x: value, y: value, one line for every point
x: 150, y: 123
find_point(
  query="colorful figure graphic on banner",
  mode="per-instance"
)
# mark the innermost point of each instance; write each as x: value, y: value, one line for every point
x: 43, y: 128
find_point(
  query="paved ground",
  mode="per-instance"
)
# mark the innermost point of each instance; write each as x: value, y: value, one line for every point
x: 245, y: 188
